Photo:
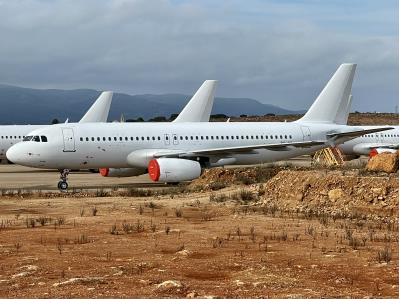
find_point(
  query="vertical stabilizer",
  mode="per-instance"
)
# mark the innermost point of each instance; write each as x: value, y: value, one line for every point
x: 199, y: 108
x: 98, y: 112
x: 332, y: 103
x: 344, y: 114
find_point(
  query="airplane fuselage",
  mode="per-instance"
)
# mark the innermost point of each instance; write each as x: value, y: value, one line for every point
x: 111, y: 144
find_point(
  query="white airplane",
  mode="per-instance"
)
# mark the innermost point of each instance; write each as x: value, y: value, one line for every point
x: 12, y: 134
x: 369, y: 144
x: 174, y: 152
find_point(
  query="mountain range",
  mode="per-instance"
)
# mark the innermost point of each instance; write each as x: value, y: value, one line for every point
x: 21, y: 105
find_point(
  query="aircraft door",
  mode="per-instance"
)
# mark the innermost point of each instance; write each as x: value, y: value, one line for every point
x: 69, y: 140
x: 307, y: 136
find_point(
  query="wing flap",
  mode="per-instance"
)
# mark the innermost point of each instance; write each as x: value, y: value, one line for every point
x: 237, y: 149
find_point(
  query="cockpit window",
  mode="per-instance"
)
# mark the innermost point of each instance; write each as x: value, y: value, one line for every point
x: 27, y: 138
x: 36, y: 139
x: 44, y: 138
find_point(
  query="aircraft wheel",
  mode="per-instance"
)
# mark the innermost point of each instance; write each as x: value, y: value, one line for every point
x: 63, y: 186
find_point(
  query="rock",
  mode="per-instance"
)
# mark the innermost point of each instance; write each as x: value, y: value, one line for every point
x: 80, y: 280
x: 184, y: 252
x: 192, y: 295
x: 386, y: 162
x: 170, y: 285
x: 26, y: 271
x: 335, y: 194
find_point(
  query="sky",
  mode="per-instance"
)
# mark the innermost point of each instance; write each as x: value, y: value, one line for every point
x: 280, y: 52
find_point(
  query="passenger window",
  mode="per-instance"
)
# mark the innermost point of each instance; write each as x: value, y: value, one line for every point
x: 81, y: 138
x: 87, y: 138
x: 206, y: 137
x: 227, y: 137
x: 247, y: 137
x: 127, y: 138
x: 120, y: 138
x: 221, y: 137
x: 186, y: 137
x: 115, y: 139
x: 211, y: 137
x: 131, y: 138
x: 98, y: 138
x: 181, y: 137
x: 196, y: 137
x: 217, y: 137
x: 271, y: 136
x: 267, y: 137
x: 191, y: 137
x: 159, y: 138
x: 104, y: 139
x: 137, y: 138
x: 202, y: 137
x: 153, y: 138
x: 92, y: 138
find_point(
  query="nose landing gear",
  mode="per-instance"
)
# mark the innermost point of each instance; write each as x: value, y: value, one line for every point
x: 62, y: 184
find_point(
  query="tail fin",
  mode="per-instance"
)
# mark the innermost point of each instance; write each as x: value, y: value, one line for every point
x: 199, y: 108
x: 344, y: 113
x: 332, y: 103
x: 98, y: 112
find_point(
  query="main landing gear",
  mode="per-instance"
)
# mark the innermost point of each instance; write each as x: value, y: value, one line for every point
x: 62, y: 184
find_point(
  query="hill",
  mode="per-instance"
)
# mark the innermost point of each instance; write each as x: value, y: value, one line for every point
x: 39, y: 106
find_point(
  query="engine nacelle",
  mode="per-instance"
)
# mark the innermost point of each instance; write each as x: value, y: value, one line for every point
x: 121, y: 172
x: 172, y: 170
x: 376, y: 151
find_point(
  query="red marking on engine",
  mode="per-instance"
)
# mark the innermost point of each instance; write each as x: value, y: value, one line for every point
x: 373, y: 153
x: 153, y: 170
x: 104, y: 171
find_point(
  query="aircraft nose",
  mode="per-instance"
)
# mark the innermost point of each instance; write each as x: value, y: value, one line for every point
x: 15, y: 154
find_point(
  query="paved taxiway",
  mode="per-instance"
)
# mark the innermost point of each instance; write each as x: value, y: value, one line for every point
x: 20, y: 177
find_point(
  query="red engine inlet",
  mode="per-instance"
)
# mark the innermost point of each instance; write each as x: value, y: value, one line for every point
x: 154, y: 170
x: 104, y: 171
x: 373, y: 153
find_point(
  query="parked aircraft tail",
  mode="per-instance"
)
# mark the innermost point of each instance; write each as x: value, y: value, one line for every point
x: 199, y: 108
x: 333, y: 102
x: 98, y: 112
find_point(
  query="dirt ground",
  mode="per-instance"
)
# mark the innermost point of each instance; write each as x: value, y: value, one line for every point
x: 235, y: 242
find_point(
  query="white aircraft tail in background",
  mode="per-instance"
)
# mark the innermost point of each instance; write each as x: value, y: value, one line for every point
x: 199, y: 108
x: 99, y: 111
x: 332, y: 102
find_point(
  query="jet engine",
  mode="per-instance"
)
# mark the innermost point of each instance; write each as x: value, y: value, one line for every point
x: 121, y: 172
x: 172, y: 170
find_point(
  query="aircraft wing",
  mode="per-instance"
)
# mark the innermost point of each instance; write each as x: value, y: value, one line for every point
x: 237, y: 149
x: 341, y: 137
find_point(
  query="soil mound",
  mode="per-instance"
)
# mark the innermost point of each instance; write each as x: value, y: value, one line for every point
x: 217, y: 178
x: 332, y: 191
x: 386, y: 162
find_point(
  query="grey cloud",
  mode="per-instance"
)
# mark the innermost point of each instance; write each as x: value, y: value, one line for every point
x: 157, y: 46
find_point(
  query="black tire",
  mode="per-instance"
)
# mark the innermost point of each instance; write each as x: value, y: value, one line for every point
x: 62, y: 185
